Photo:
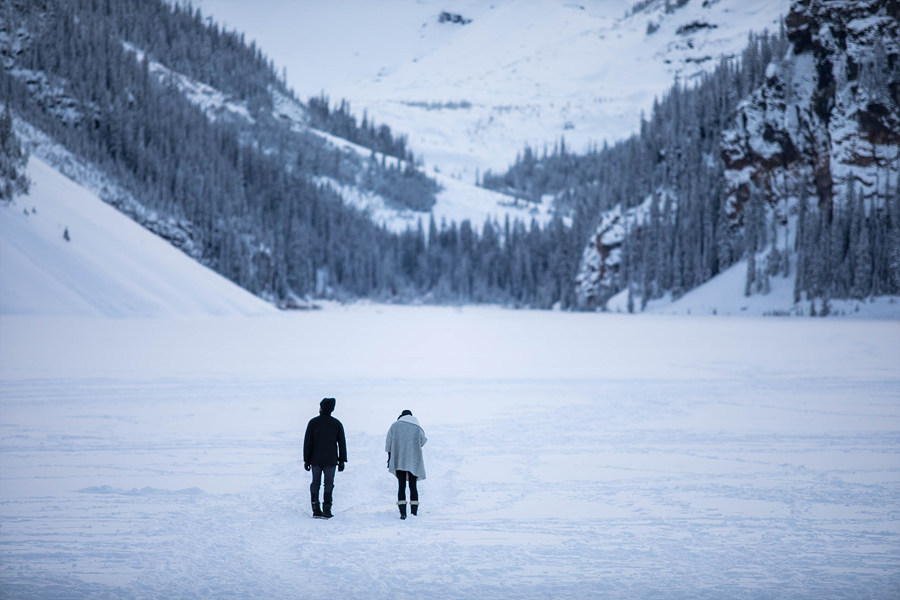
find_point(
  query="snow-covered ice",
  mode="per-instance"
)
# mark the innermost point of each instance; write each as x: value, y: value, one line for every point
x: 569, y: 456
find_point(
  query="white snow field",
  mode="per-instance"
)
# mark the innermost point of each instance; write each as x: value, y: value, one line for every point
x: 569, y: 456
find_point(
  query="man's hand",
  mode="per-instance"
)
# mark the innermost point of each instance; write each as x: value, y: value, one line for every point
x: 341, y: 466
x: 306, y: 466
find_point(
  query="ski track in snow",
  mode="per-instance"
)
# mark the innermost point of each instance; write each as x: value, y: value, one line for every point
x: 751, y: 485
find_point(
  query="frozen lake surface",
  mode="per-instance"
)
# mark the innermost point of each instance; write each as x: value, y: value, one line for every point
x: 569, y: 456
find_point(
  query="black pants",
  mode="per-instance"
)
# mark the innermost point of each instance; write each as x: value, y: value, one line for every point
x: 402, y: 478
x: 317, y: 482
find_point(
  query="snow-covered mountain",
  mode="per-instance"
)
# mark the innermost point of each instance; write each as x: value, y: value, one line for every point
x: 65, y: 252
x: 455, y: 200
x: 472, y: 91
x: 259, y: 187
x: 807, y: 185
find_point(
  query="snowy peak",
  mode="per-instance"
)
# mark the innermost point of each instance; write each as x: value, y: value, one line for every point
x: 471, y: 96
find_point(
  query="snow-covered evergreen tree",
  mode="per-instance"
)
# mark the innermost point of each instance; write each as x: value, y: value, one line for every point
x: 13, y: 160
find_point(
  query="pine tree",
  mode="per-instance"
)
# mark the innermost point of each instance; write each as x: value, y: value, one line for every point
x: 754, y: 232
x: 13, y: 160
x: 893, y: 246
x: 860, y: 248
x: 801, y: 246
x: 750, y: 280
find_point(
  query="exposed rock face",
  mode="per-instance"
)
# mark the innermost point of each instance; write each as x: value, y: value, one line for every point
x: 827, y: 117
x: 597, y: 277
x: 827, y: 113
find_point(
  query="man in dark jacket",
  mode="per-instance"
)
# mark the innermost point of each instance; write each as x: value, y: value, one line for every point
x: 324, y: 447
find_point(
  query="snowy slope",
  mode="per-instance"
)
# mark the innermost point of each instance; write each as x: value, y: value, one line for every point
x: 109, y: 267
x: 471, y: 96
x: 456, y: 200
x: 724, y: 295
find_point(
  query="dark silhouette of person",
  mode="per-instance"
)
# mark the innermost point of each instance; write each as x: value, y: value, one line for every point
x: 324, y: 448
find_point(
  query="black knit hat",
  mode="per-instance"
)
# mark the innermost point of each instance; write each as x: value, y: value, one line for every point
x: 404, y: 413
x: 327, y: 405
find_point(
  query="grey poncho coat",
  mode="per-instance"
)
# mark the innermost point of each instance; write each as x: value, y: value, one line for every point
x: 404, y: 443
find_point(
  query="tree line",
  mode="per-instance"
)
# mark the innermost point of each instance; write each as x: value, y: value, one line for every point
x: 686, y: 237
x: 245, y: 193
x: 13, y: 179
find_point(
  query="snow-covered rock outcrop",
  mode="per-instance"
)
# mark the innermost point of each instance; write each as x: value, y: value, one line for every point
x: 598, y: 275
x: 828, y: 111
x: 600, y: 260
x: 821, y: 119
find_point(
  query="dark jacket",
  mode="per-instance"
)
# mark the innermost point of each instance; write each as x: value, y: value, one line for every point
x: 324, y: 444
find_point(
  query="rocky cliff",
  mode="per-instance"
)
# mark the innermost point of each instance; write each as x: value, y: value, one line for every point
x: 828, y: 114
x: 823, y: 123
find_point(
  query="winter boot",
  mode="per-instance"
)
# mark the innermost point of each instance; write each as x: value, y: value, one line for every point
x: 414, y: 507
x: 317, y: 510
x: 326, y: 512
x: 402, y: 505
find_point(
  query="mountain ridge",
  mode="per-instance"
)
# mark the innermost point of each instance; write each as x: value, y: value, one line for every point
x: 787, y: 161
x: 471, y: 96
x: 247, y: 202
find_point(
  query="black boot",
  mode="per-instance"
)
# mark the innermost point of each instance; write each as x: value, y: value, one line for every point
x: 402, y: 505
x: 317, y: 510
x: 327, y: 511
x: 414, y: 507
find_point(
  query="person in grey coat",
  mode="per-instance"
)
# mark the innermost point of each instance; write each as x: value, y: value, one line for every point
x: 404, y: 444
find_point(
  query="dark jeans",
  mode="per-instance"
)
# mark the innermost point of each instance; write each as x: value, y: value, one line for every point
x: 317, y: 482
x: 402, y: 478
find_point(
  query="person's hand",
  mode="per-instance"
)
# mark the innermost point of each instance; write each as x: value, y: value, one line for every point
x: 341, y: 466
x: 306, y: 466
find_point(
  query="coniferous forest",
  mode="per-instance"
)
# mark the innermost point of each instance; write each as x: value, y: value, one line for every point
x: 13, y: 180
x: 246, y: 192
x: 684, y: 228
x: 674, y: 156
